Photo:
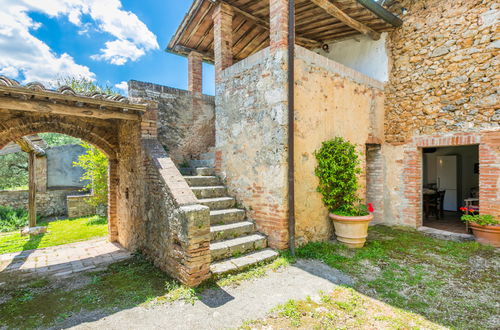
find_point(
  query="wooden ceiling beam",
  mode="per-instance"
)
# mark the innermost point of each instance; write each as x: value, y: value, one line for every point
x: 335, y: 11
x: 265, y: 25
x: 27, y: 145
x: 50, y: 107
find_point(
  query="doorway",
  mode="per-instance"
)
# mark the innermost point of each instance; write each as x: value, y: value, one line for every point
x: 450, y: 181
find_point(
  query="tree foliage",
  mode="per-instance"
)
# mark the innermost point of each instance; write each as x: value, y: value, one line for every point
x: 95, y: 166
x: 82, y: 85
x: 338, y: 170
x: 13, y: 171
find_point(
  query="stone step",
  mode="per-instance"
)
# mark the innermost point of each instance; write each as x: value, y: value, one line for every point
x: 205, y: 171
x: 237, y: 246
x: 226, y: 216
x: 202, y: 163
x: 232, y: 230
x: 202, y: 181
x: 209, y: 192
x: 239, y: 263
x: 218, y: 203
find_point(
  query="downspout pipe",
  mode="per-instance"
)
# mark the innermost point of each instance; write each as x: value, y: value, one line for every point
x: 291, y: 121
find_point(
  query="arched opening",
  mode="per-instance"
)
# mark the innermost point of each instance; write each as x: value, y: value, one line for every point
x: 55, y: 188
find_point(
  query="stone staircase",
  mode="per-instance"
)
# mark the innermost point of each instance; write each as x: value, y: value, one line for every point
x: 235, y: 244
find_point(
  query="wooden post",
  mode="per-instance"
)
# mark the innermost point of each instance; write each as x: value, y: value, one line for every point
x: 32, y: 189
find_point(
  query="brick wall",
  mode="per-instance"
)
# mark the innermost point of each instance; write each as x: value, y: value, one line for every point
x: 185, y: 120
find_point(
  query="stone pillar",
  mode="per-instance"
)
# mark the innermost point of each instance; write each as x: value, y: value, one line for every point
x: 223, y: 37
x: 41, y: 173
x: 195, y: 75
x: 278, y: 34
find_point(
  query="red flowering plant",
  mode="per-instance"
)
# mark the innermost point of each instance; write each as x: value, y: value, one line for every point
x: 480, y: 219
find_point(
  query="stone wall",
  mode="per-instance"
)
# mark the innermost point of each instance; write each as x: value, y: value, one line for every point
x: 185, y: 119
x: 79, y: 207
x: 442, y: 92
x: 251, y: 111
x: 50, y: 203
x: 176, y: 234
x: 330, y: 100
x: 444, y: 69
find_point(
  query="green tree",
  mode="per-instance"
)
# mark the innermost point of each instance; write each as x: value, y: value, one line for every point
x: 13, y: 171
x: 95, y: 166
x: 82, y: 85
x: 56, y: 139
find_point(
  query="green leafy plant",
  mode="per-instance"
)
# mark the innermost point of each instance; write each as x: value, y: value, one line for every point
x: 338, y: 170
x: 95, y: 165
x: 12, y: 219
x: 480, y: 219
x: 56, y: 139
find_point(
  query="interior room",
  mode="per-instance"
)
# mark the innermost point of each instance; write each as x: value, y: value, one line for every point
x: 450, y: 181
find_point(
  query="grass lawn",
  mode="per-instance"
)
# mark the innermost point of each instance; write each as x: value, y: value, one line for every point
x: 59, y: 232
x: 403, y: 280
x: 400, y: 273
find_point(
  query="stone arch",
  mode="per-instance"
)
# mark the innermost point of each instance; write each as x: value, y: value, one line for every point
x: 100, y: 133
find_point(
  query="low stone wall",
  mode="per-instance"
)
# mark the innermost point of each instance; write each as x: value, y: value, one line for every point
x: 50, y: 203
x: 79, y: 207
x: 185, y: 120
x: 176, y: 228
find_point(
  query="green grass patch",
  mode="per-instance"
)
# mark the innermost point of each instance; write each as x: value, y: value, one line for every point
x: 447, y: 282
x: 59, y: 232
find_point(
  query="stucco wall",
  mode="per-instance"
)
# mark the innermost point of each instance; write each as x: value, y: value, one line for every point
x: 331, y: 100
x: 361, y: 53
x: 251, y: 126
x: 185, y: 119
x: 60, y: 169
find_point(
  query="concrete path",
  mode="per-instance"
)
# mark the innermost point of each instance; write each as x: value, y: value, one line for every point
x: 224, y: 307
x: 63, y: 260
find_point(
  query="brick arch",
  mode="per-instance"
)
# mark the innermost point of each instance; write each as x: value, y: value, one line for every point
x: 102, y: 135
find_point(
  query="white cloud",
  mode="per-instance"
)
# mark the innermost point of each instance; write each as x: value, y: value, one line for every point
x: 119, y: 52
x: 21, y: 53
x: 123, y: 86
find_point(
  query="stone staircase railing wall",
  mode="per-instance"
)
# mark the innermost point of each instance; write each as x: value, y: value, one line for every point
x: 176, y: 226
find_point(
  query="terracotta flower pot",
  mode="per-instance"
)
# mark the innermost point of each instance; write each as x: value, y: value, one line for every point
x: 489, y: 235
x: 351, y: 231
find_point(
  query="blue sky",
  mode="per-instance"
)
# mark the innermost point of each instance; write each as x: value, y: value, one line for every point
x: 110, y: 41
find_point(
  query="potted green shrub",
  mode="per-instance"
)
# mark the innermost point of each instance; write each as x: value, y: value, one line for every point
x: 485, y: 227
x: 338, y: 169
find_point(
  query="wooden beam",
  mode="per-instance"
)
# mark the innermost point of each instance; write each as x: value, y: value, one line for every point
x: 32, y: 190
x: 28, y: 146
x: 339, y: 14
x: 44, y: 107
x: 265, y: 25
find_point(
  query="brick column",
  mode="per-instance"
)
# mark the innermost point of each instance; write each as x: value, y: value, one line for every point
x: 195, y: 72
x: 113, y: 182
x: 278, y: 24
x: 489, y: 174
x: 223, y: 37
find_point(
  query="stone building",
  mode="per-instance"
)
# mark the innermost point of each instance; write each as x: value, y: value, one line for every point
x: 409, y: 83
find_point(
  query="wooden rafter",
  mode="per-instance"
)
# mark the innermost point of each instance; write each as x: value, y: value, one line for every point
x: 51, y: 107
x: 27, y: 145
x: 335, y: 11
x: 265, y: 25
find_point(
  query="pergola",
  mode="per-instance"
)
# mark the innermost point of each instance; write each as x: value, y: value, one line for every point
x: 317, y: 22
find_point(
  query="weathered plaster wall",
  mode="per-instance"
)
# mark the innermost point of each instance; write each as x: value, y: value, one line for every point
x: 186, y: 125
x: 361, y: 53
x: 251, y: 126
x: 60, y: 169
x: 50, y: 203
x: 331, y: 100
